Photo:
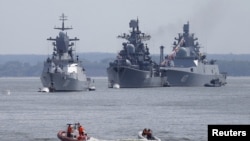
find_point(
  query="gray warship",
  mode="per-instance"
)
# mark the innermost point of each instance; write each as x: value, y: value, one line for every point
x: 187, y: 66
x: 64, y: 71
x: 133, y: 66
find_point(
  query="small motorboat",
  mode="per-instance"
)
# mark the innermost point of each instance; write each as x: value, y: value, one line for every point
x: 74, y: 133
x: 44, y: 90
x: 147, y: 137
x: 62, y: 135
x: 214, y: 83
x: 92, y: 88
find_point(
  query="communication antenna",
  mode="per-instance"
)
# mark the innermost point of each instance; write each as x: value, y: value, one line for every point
x: 75, y: 48
x: 48, y: 48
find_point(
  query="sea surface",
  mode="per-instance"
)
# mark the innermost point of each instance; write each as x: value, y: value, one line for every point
x: 172, y: 113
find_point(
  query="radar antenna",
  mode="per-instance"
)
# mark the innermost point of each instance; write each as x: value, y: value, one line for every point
x: 63, y: 18
x: 135, y: 35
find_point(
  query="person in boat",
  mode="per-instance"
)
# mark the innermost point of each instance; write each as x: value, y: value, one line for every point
x: 149, y: 134
x: 69, y: 131
x: 80, y: 129
x: 144, y: 132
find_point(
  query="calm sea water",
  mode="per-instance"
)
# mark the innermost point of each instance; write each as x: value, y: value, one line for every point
x: 173, y: 113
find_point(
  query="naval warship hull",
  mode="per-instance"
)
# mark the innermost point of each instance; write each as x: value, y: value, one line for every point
x: 127, y: 77
x: 189, y: 79
x: 64, y: 82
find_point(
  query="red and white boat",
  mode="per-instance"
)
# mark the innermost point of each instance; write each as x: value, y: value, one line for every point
x: 74, y: 133
x: 62, y: 135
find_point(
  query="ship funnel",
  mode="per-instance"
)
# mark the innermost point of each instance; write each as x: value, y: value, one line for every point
x: 161, y: 54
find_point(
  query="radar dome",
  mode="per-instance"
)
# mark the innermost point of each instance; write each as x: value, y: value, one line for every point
x: 130, y: 48
x: 182, y: 52
x: 61, y: 34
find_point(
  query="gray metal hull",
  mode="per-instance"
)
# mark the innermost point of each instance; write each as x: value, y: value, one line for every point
x: 182, y: 77
x: 62, y: 81
x: 128, y: 77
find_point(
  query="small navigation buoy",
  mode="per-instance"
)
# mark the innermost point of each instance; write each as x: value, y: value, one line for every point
x: 7, y: 92
x: 116, y: 86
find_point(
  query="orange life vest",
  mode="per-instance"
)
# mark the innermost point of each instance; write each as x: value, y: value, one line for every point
x: 80, y: 129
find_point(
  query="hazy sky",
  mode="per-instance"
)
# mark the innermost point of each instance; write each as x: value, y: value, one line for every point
x: 222, y: 26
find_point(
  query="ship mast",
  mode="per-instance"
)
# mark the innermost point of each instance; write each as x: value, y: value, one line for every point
x: 63, y: 18
x: 136, y: 36
x: 62, y: 43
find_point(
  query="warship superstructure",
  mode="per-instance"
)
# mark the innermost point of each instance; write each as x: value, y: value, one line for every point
x: 133, y: 66
x: 187, y: 66
x: 63, y: 71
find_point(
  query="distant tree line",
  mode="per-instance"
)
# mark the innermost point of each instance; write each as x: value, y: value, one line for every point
x: 235, y: 67
x: 19, y: 69
x: 98, y: 68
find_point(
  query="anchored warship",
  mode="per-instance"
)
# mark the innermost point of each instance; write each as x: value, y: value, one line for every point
x: 64, y: 71
x: 187, y: 66
x: 133, y: 66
